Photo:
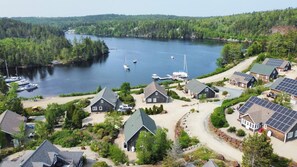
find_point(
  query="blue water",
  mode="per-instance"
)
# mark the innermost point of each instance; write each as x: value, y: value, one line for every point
x: 153, y: 56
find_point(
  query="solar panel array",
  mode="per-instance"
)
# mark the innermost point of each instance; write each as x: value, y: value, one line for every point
x: 282, y: 119
x: 247, y: 77
x: 288, y: 85
x: 274, y: 62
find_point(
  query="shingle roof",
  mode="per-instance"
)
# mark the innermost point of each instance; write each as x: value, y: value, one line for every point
x: 281, y: 119
x: 286, y: 85
x: 45, y: 155
x: 10, y: 122
x: 152, y: 87
x: 262, y: 69
x: 259, y: 114
x: 275, y: 62
x: 210, y: 163
x: 136, y: 121
x: 106, y: 94
x: 241, y: 77
x: 195, y: 86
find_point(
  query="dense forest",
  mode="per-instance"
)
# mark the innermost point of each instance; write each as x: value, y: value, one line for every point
x: 249, y: 26
x: 28, y: 45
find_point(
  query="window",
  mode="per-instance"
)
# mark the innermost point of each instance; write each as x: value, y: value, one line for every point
x: 100, y: 108
x: 206, y: 89
x: 290, y: 135
x: 295, y: 133
x: 94, y: 108
x: 149, y: 100
x: 101, y: 101
x: 156, y: 93
x: 154, y: 100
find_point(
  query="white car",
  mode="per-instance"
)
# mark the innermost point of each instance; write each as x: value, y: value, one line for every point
x: 124, y: 107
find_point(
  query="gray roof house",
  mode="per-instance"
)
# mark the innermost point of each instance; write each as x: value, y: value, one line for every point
x: 105, y: 100
x: 9, y: 124
x: 242, y: 80
x: 282, y: 65
x: 137, y: 122
x: 210, y: 163
x: 47, y: 155
x: 286, y: 85
x: 154, y: 93
x: 264, y: 72
x: 198, y: 89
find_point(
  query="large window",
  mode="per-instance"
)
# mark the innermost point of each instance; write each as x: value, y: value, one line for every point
x: 100, y: 108
x: 290, y: 135
x: 94, y: 108
x: 149, y: 100
x: 295, y: 133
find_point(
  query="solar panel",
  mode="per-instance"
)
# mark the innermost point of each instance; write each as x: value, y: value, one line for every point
x: 287, y: 85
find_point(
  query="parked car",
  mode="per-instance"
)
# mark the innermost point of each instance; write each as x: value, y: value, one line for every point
x: 124, y: 108
x: 271, y: 94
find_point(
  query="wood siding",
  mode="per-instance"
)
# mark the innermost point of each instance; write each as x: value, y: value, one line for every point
x: 209, y: 94
x: 275, y: 133
x: 265, y: 78
x: 243, y: 85
x: 102, y: 107
x: 156, y: 98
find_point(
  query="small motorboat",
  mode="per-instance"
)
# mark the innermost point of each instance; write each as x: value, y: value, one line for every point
x: 172, y: 57
x: 126, y: 67
x: 30, y: 87
x: 22, y: 82
x: 135, y: 61
x: 12, y: 79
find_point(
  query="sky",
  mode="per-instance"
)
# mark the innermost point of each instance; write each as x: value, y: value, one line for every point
x: 197, y: 8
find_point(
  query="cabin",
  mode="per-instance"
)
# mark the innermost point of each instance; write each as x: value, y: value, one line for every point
x: 154, y: 93
x: 199, y: 90
x: 242, y: 80
x: 9, y: 125
x: 105, y: 100
x: 137, y: 122
x: 264, y: 72
x: 285, y: 85
x: 279, y: 121
x: 47, y: 155
x: 281, y: 65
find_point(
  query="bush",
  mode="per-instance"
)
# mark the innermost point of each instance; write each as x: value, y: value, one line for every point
x: 154, y: 110
x: 127, y: 99
x: 100, y: 164
x: 117, y: 155
x: 186, y: 141
x: 240, y: 133
x: 230, y: 111
x: 231, y: 129
x: 173, y: 94
x: 68, y: 138
x: 225, y: 93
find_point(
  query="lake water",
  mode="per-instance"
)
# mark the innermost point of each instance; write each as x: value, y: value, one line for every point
x: 154, y: 57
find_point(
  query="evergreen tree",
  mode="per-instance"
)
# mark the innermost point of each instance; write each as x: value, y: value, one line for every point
x: 257, y: 151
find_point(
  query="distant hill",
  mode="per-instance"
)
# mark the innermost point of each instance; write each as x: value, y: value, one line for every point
x: 249, y: 26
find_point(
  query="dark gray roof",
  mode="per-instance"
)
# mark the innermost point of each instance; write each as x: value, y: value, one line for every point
x: 242, y: 77
x: 153, y: 87
x: 210, y: 163
x: 262, y: 69
x: 275, y: 62
x: 282, y: 119
x: 286, y: 85
x: 10, y: 122
x: 136, y: 122
x: 196, y: 87
x: 46, y: 154
x: 107, y: 95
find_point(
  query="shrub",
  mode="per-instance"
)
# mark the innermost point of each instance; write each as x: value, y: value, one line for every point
x: 225, y: 93
x: 230, y: 111
x: 117, y: 155
x: 68, y: 138
x: 186, y: 141
x: 173, y: 94
x: 240, y: 133
x: 154, y: 110
x: 231, y: 129
x: 100, y: 164
x: 127, y: 99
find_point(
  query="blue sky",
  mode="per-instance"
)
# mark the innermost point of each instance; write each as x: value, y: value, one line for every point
x: 54, y: 8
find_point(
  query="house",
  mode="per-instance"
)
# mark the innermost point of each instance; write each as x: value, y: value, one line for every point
x: 264, y: 72
x: 154, y: 93
x: 105, y: 100
x: 9, y: 124
x: 138, y: 121
x: 198, y: 89
x: 285, y: 85
x: 278, y: 120
x: 242, y: 80
x: 281, y: 65
x: 210, y: 163
x: 47, y: 155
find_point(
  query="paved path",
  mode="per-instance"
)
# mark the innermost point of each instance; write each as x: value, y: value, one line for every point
x: 239, y: 67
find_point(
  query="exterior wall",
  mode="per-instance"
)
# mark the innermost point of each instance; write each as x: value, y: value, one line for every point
x: 102, y: 107
x: 277, y: 134
x: 274, y: 74
x: 250, y: 125
x: 132, y: 142
x: 156, y: 97
x: 293, y: 131
x: 265, y: 78
x: 209, y: 94
x: 243, y: 85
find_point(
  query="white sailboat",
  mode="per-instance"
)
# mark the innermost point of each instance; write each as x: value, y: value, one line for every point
x: 9, y: 79
x: 181, y: 75
x: 126, y: 66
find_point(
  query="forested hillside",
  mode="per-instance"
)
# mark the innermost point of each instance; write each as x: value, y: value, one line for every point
x: 250, y: 26
x: 29, y: 45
